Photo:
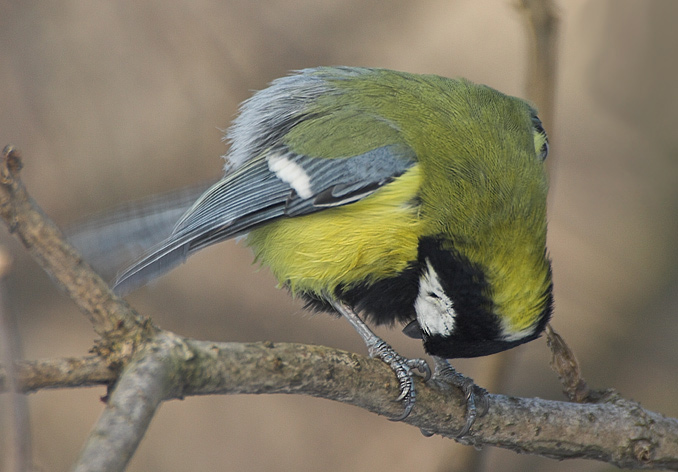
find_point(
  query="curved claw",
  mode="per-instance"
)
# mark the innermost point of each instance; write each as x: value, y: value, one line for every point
x: 477, y: 402
x: 471, y: 414
x: 408, y: 408
x: 482, y: 400
x: 404, y: 369
x: 421, y: 367
x: 406, y: 391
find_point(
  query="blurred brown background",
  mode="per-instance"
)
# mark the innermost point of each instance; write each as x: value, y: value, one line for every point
x: 112, y: 101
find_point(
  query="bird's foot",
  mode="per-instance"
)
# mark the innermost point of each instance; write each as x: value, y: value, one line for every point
x: 404, y: 369
x: 477, y: 401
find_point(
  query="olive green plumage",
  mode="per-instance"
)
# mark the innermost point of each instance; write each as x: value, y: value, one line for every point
x: 398, y: 197
x: 412, y: 198
x: 478, y: 183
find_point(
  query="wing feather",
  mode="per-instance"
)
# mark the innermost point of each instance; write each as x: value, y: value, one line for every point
x: 349, y: 152
x: 253, y: 195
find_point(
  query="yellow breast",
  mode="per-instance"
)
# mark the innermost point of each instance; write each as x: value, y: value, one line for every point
x: 371, y: 239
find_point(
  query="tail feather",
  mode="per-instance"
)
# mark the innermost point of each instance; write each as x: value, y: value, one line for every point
x: 159, y: 262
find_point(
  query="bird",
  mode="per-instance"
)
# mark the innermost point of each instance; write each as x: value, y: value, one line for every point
x: 388, y: 198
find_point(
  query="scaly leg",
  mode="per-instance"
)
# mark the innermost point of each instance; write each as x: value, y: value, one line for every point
x: 376, y: 347
x: 477, y: 402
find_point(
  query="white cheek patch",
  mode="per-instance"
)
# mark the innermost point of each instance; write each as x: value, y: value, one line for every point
x: 435, y: 312
x: 290, y: 173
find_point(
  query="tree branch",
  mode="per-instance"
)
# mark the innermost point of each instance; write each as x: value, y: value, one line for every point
x: 541, y: 23
x: 111, y: 317
x: 70, y: 372
x: 159, y: 365
x: 18, y: 440
x: 617, y: 431
x: 142, y: 386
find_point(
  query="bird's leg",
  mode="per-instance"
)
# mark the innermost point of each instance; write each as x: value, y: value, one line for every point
x: 402, y: 366
x: 477, y: 402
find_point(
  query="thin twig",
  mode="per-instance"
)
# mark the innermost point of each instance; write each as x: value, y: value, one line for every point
x: 142, y: 386
x: 113, y: 319
x: 67, y: 372
x: 166, y: 366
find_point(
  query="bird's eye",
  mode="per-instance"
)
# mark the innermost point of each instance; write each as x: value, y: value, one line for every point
x: 544, y: 150
x: 541, y: 140
x: 433, y: 295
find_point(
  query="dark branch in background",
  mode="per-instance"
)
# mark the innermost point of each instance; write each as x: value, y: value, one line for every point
x: 18, y: 439
x: 541, y: 23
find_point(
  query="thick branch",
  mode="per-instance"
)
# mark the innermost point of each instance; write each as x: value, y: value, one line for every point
x: 165, y: 366
x: 619, y: 431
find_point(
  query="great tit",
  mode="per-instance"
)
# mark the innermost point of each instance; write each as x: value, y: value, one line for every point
x: 402, y: 198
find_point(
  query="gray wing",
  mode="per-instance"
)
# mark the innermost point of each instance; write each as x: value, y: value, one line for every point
x: 277, y: 184
x: 109, y: 241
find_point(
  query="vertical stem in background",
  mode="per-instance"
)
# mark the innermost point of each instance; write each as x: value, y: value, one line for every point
x: 541, y: 25
x: 540, y: 20
x: 17, y: 437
